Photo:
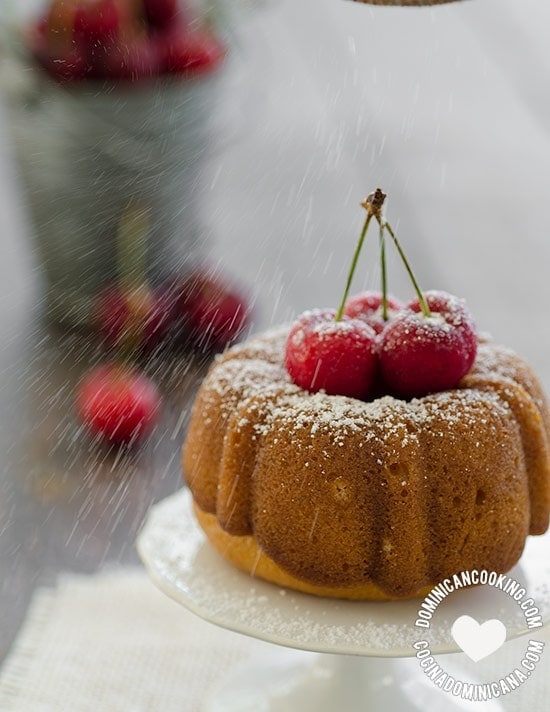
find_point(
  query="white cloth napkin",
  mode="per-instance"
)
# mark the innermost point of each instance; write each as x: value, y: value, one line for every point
x: 113, y: 642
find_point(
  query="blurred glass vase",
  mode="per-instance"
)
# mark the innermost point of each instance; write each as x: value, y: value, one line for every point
x: 113, y: 104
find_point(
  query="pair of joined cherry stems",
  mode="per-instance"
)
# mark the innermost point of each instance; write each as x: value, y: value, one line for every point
x: 356, y: 351
x: 374, y: 204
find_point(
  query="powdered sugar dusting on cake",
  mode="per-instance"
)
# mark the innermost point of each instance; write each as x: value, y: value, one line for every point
x: 405, y: 480
x: 267, y: 347
x: 256, y: 369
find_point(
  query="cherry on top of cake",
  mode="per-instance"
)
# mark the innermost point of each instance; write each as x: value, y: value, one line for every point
x: 374, y: 345
x: 122, y: 40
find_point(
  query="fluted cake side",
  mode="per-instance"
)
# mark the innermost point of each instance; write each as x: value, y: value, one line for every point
x: 380, y: 499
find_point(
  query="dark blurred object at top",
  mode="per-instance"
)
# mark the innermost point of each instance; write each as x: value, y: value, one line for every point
x: 122, y: 40
x: 406, y: 3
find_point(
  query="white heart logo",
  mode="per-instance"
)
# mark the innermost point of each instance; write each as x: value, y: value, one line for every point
x: 477, y: 640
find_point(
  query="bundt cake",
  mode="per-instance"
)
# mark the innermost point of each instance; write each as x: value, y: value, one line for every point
x: 372, y: 500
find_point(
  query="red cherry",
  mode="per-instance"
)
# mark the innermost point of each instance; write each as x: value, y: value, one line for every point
x: 96, y: 22
x: 160, y: 14
x: 51, y: 42
x: 118, y: 404
x: 96, y: 27
x: 56, y: 25
x: 131, y: 60
x: 138, y: 317
x: 184, y: 52
x: 213, y: 312
x: 335, y: 356
x: 420, y: 355
x: 368, y: 306
x: 67, y: 66
x: 221, y: 320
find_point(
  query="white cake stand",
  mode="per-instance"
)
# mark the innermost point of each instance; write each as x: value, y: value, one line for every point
x: 360, y: 640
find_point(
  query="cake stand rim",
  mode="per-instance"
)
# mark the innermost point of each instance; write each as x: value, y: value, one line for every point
x: 151, y: 526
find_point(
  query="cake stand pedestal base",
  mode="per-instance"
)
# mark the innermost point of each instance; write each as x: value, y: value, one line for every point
x: 362, y: 646
x: 328, y: 683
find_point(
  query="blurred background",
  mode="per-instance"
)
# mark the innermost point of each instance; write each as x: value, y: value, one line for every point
x: 445, y: 108
x: 312, y: 106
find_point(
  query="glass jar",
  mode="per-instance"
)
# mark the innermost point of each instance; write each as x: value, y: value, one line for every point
x: 93, y: 149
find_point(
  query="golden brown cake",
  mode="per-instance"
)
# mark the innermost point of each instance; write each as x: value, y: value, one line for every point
x: 373, y: 500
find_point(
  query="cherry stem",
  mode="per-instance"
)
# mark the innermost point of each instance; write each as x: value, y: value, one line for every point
x: 358, y: 248
x: 132, y: 242
x: 132, y: 239
x: 384, y: 273
x: 421, y: 298
x: 373, y: 205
